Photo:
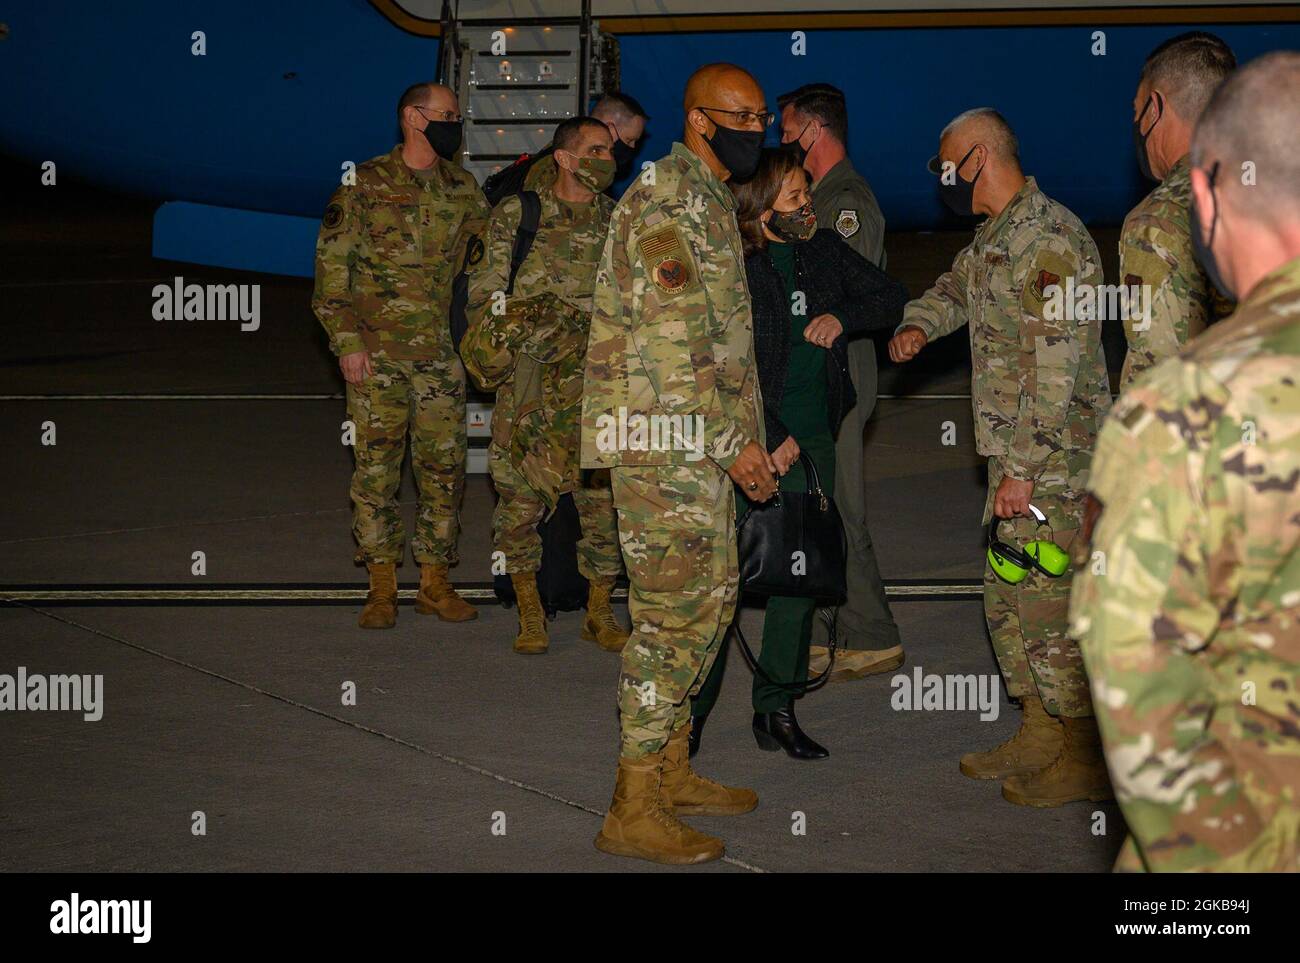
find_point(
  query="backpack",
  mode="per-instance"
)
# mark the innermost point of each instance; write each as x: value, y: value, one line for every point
x: 529, y: 222
x: 559, y: 583
x: 510, y: 180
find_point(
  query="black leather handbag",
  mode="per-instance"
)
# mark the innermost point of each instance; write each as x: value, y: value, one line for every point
x: 794, y: 545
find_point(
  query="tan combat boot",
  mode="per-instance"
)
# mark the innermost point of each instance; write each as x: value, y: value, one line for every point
x: 638, y: 825
x: 380, y: 611
x: 1079, y: 772
x: 437, y: 597
x: 853, y: 664
x: 1035, y: 746
x: 600, y: 626
x: 531, y: 639
x: 689, y: 794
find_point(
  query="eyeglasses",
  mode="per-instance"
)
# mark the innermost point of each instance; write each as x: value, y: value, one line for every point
x: 745, y: 118
x: 443, y: 115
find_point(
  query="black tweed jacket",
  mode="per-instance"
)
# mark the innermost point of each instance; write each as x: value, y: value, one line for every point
x: 836, y: 280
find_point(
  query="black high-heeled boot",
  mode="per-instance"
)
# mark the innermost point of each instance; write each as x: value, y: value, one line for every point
x: 780, y: 730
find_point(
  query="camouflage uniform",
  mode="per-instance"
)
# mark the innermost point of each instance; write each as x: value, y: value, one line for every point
x: 387, y: 252
x: 1191, y: 631
x: 533, y: 355
x: 1039, y: 392
x: 1155, y: 251
x: 672, y: 334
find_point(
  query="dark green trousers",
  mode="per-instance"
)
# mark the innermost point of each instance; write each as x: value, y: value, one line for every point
x: 787, y: 626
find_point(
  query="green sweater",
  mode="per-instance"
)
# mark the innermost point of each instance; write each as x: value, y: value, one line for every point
x: 804, y: 404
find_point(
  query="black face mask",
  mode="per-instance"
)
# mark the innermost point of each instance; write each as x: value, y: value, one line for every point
x: 738, y: 151
x: 1140, y: 139
x: 1202, y: 248
x: 622, y: 154
x: 798, y: 146
x: 960, y: 195
x: 444, y: 137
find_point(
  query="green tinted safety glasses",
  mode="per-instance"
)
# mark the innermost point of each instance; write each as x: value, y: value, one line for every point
x: 1013, y: 565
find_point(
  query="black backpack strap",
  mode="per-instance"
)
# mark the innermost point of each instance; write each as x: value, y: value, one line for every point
x: 528, y: 223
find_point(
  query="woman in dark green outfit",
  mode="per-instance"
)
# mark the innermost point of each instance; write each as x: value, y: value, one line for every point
x: 809, y: 291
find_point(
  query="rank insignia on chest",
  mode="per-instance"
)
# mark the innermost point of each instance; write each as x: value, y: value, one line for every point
x: 665, y: 260
x: 847, y: 223
x: 474, y: 252
x: 1044, y: 281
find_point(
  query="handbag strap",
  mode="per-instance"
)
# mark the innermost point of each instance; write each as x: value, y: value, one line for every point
x: 828, y: 617
x: 810, y: 473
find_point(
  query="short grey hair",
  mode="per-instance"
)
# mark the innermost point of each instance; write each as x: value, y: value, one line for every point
x: 1187, y: 69
x: 1252, y: 118
x: 1001, y: 138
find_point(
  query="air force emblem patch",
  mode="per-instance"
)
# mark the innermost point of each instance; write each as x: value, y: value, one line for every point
x: 666, y: 260
x: 847, y: 223
x: 1042, y: 282
x: 333, y: 216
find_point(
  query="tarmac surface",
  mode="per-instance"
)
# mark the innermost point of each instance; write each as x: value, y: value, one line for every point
x: 457, y: 754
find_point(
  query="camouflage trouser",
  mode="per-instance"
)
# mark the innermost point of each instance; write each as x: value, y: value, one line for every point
x: 677, y: 529
x: 519, y: 510
x: 425, y: 399
x: 1028, y: 622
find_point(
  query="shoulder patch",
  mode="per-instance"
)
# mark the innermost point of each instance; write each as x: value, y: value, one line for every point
x: 672, y: 275
x: 1043, y: 280
x: 666, y: 261
x: 847, y: 223
x: 333, y: 215
x: 1048, y: 270
x: 474, y: 251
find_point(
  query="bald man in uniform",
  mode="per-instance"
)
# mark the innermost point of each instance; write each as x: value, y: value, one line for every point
x: 1039, y: 390
x: 671, y: 348
x: 389, y: 248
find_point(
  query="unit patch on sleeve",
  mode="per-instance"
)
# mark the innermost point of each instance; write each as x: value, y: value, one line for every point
x: 665, y: 260
x: 1043, y: 281
x: 847, y: 223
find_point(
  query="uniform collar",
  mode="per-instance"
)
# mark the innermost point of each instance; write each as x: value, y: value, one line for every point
x: 695, y: 164
x: 1022, y: 198
x: 1181, y: 171
x: 401, y: 175
x: 841, y: 169
x: 1281, y: 281
x: 541, y: 174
